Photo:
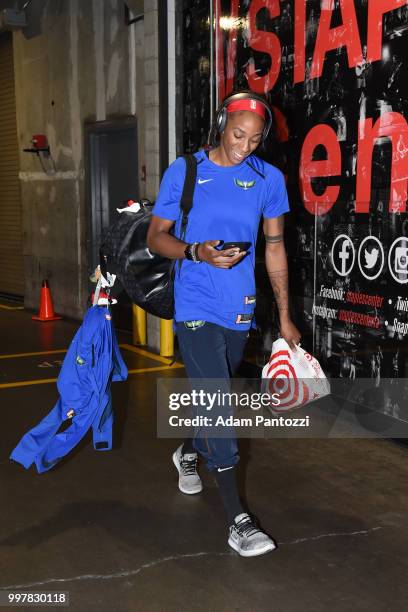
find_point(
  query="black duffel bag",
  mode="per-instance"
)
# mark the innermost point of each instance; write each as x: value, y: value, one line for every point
x: 146, y: 277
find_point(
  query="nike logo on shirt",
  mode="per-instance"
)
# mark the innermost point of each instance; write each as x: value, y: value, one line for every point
x: 201, y: 181
x: 223, y: 469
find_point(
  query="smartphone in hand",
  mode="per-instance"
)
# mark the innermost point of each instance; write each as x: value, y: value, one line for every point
x: 242, y: 246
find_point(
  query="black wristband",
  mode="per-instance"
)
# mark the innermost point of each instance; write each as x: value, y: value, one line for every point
x: 187, y: 252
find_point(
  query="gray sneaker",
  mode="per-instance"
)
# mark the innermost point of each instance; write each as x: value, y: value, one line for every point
x: 247, y: 539
x: 189, y: 480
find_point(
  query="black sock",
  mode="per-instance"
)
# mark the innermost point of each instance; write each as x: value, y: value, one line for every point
x: 227, y: 484
x: 188, y: 447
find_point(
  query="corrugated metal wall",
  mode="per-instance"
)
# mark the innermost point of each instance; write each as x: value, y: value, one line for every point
x: 11, y: 247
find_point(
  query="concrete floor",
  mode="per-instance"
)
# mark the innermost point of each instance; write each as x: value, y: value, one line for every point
x: 114, y: 531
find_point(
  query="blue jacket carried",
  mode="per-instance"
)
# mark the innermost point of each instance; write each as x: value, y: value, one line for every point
x: 93, y: 360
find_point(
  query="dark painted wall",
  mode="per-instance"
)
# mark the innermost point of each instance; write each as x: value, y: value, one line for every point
x: 335, y: 73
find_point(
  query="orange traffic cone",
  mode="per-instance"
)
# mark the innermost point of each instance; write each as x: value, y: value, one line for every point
x: 46, y: 308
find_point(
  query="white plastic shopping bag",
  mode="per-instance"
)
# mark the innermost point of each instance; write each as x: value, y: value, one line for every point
x: 294, y: 378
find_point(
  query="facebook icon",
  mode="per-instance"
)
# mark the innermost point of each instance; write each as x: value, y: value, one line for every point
x: 344, y: 256
x: 345, y: 253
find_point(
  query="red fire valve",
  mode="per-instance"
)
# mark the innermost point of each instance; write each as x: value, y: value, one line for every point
x: 39, y: 141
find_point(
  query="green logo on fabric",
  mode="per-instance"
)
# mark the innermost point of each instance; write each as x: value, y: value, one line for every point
x: 244, y: 184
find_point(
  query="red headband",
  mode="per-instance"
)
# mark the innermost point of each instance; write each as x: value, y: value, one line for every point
x: 247, y: 105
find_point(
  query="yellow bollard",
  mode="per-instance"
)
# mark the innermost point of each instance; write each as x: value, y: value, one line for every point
x: 139, y: 325
x: 166, y: 338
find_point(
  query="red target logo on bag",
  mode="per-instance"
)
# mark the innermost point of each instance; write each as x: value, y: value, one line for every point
x: 283, y: 381
x: 294, y: 377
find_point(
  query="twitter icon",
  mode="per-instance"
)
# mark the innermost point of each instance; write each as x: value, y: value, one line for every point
x: 371, y: 257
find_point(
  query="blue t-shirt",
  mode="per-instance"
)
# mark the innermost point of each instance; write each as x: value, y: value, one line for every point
x: 228, y: 204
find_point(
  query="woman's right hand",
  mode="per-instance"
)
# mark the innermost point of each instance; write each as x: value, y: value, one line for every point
x: 220, y: 259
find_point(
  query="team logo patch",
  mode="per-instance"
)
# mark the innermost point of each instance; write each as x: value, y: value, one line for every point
x: 244, y: 184
x: 244, y: 318
x: 194, y: 324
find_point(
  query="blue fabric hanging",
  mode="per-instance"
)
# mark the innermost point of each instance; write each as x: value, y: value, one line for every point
x: 93, y: 360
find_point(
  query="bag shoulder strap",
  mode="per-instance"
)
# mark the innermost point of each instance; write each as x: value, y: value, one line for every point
x: 186, y: 202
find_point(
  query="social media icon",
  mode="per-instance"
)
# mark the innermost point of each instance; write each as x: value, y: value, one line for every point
x: 371, y: 257
x: 398, y: 260
x: 343, y: 255
x: 401, y: 260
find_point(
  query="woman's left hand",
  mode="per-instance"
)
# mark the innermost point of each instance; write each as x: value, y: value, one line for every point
x: 290, y: 333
